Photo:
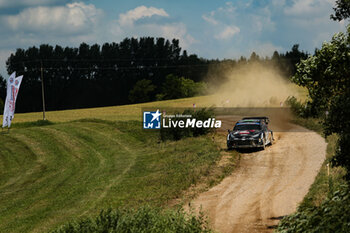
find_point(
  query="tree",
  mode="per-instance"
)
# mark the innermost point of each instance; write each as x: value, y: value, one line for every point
x: 338, y: 121
x: 292, y: 58
x: 341, y: 9
x: 254, y: 57
x: 142, y: 91
x: 327, y: 73
x: 275, y: 56
x: 327, y: 78
x: 176, y: 87
x: 94, y: 75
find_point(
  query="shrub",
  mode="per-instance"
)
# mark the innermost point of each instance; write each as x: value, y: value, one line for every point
x: 333, y: 215
x: 176, y: 87
x: 145, y: 219
x: 300, y: 109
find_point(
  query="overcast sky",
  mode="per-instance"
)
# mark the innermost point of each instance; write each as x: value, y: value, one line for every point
x: 211, y: 29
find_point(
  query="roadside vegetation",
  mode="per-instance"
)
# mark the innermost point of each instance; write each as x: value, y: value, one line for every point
x: 326, y: 208
x: 144, y: 219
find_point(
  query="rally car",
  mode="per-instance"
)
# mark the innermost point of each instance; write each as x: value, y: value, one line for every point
x: 250, y: 132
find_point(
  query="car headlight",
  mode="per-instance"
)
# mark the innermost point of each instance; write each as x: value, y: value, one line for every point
x: 228, y: 136
x: 255, y: 135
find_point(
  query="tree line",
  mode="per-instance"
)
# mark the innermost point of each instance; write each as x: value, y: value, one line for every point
x: 132, y: 71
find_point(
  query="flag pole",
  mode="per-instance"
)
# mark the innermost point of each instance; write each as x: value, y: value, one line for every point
x: 42, y: 88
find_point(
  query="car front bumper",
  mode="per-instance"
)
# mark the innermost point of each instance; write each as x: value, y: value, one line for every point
x: 245, y: 143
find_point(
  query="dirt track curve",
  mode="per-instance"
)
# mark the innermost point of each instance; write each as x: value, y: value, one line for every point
x: 266, y: 185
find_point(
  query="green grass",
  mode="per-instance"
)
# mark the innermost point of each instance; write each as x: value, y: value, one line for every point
x: 113, y: 113
x: 79, y: 162
x: 144, y: 219
x: 53, y: 173
x: 323, y: 185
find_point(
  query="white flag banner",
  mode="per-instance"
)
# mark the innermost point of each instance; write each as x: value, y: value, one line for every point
x: 6, y: 107
x: 13, y: 85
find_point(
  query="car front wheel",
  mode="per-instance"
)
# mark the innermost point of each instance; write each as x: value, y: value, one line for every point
x: 229, y: 145
x: 264, y: 144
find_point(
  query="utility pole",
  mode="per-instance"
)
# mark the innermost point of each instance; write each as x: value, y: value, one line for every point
x: 42, y: 89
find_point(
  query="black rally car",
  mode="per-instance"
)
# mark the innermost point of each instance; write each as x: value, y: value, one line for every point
x: 250, y: 132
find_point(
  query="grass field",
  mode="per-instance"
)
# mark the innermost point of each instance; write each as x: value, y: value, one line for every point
x: 114, y: 113
x: 50, y: 174
x: 73, y: 167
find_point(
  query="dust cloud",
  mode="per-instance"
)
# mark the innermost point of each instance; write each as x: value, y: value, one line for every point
x: 250, y: 85
x: 253, y: 89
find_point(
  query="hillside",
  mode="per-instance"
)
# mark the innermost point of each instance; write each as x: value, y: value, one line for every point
x: 53, y: 173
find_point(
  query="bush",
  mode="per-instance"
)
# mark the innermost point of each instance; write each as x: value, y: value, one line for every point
x: 333, y: 215
x: 338, y: 121
x: 178, y: 133
x: 144, y: 219
x: 176, y: 87
x: 300, y: 109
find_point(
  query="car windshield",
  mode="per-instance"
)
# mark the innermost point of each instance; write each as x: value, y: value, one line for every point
x: 247, y: 127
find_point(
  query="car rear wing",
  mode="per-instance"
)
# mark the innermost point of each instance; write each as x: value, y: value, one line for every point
x: 265, y: 119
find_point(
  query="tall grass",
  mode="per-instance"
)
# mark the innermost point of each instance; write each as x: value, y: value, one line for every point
x: 144, y: 219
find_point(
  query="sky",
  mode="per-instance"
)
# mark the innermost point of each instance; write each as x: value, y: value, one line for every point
x: 211, y: 29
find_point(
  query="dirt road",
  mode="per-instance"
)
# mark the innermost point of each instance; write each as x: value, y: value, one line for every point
x: 266, y: 185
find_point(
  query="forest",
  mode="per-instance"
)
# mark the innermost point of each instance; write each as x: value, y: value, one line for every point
x: 132, y: 71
